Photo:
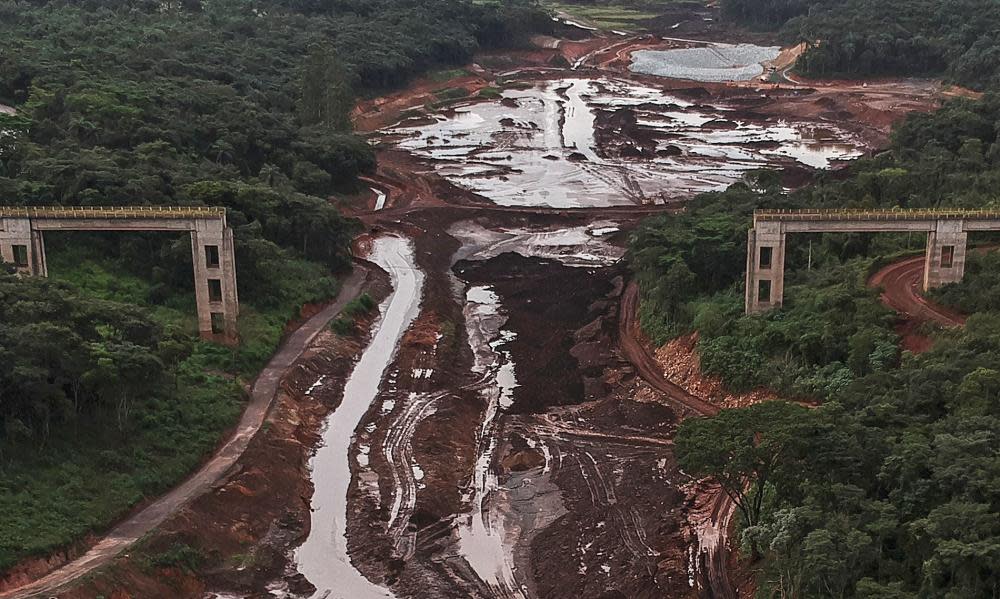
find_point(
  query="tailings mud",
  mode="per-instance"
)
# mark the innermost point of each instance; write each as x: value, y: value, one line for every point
x: 591, y: 142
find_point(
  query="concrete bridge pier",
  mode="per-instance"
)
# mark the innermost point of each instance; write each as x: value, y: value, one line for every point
x: 40, y: 266
x: 215, y: 280
x: 946, y: 249
x: 765, y: 280
x: 947, y: 240
x: 22, y: 246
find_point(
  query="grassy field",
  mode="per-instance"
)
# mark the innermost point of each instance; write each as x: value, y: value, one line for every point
x: 611, y: 16
x: 89, y: 474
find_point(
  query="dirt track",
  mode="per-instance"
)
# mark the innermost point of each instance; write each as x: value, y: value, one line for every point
x: 901, y: 282
x: 635, y: 349
x: 714, y: 572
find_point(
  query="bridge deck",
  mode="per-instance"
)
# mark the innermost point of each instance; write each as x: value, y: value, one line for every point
x: 837, y: 215
x: 113, y: 212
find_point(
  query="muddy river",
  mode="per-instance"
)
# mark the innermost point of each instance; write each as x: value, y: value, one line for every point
x: 601, y: 142
x: 323, y: 558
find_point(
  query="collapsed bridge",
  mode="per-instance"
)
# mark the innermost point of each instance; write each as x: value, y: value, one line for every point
x: 23, y: 245
x: 947, y: 234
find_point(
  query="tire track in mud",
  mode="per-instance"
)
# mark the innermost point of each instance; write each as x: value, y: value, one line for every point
x: 592, y: 455
x: 397, y: 449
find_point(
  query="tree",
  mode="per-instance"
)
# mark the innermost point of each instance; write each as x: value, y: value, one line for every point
x: 123, y: 372
x: 745, y: 450
x: 326, y: 97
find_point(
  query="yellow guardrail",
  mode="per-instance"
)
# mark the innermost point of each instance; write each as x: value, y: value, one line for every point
x: 112, y: 212
x: 874, y: 215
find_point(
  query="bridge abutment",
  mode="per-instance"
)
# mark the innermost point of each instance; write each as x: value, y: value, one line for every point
x: 22, y: 246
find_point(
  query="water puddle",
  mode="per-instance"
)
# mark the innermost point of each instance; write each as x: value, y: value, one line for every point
x: 380, y: 197
x: 482, y: 533
x: 577, y: 142
x: 710, y: 63
x: 323, y: 557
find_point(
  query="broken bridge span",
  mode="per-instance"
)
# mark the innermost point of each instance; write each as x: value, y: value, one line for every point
x: 22, y: 244
x: 947, y: 234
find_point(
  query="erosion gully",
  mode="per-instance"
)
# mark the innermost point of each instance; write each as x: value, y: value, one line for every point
x: 505, y: 435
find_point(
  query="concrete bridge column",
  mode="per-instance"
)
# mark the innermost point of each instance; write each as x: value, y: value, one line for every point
x: 765, y: 281
x: 40, y: 265
x: 21, y: 246
x: 945, y: 259
x: 215, y: 280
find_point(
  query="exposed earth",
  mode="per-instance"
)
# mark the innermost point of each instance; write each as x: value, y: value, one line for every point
x: 502, y: 428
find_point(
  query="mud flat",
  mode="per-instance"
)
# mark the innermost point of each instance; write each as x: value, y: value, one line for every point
x: 582, y: 245
x: 575, y: 142
x: 323, y: 557
x: 582, y: 483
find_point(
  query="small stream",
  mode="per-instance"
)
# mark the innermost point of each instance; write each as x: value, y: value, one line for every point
x: 323, y: 558
x: 482, y: 531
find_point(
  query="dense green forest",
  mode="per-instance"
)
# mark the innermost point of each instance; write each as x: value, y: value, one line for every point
x: 106, y: 396
x: 890, y: 488
x: 959, y: 39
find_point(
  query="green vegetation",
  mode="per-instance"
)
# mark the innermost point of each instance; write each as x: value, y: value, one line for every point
x: 490, y: 93
x: 447, y: 75
x: 345, y: 324
x: 102, y: 407
x: 959, y: 39
x: 106, y: 403
x: 979, y: 291
x: 892, y: 487
x: 178, y: 555
x: 107, y: 395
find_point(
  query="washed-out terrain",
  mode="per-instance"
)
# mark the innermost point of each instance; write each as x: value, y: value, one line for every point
x: 514, y: 448
x: 578, y: 142
x: 507, y: 431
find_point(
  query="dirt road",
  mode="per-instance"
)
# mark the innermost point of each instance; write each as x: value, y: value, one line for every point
x: 126, y: 533
x: 714, y: 570
x: 634, y: 349
x: 901, y: 282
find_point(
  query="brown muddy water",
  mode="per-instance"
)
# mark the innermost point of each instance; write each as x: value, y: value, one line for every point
x: 323, y: 557
x: 577, y: 142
